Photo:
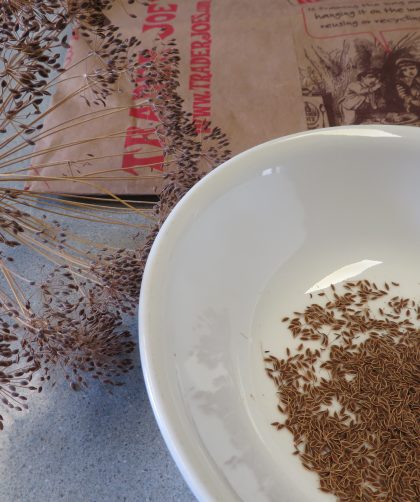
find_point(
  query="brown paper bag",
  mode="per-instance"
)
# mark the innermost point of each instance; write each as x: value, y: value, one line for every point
x: 258, y: 70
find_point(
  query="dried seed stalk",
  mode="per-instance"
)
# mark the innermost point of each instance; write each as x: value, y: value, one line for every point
x: 76, y: 322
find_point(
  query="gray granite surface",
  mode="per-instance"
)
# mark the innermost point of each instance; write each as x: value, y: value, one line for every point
x: 87, y: 446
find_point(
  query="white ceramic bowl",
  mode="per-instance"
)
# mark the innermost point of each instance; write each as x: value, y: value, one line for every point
x: 238, y: 253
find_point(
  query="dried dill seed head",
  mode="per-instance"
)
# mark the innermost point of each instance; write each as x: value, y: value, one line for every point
x: 78, y: 327
x: 111, y: 57
x: 190, y: 149
x: 15, y: 377
x: 31, y: 34
x: 352, y: 402
x: 78, y: 333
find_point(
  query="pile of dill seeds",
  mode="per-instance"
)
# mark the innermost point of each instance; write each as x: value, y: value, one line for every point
x: 349, y: 393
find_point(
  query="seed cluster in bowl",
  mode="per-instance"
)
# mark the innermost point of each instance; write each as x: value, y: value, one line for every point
x: 350, y: 394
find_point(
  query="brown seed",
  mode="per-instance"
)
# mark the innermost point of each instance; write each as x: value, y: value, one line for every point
x: 370, y: 379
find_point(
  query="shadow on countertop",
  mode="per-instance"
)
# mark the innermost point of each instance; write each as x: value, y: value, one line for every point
x: 88, y: 446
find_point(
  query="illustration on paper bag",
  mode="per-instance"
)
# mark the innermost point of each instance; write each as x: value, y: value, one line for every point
x: 358, y: 80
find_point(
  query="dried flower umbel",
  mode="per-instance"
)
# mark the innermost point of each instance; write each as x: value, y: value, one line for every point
x: 74, y: 319
x: 350, y: 393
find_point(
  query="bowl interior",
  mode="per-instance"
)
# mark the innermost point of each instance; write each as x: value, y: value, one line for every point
x: 238, y: 254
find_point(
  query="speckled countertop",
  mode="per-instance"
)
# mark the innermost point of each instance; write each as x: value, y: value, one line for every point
x: 88, y: 446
